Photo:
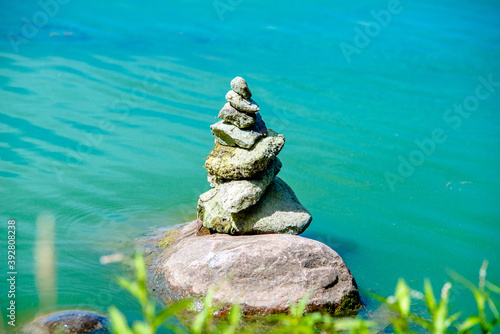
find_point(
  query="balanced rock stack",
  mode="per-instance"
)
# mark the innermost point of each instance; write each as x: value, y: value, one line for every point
x: 269, y: 267
x: 247, y: 197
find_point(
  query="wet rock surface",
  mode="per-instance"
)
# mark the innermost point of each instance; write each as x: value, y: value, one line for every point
x: 69, y: 322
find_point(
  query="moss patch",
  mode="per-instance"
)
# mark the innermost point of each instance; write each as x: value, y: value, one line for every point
x: 168, y: 239
x: 350, y: 305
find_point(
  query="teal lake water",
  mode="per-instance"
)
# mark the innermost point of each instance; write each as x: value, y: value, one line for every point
x: 392, y: 138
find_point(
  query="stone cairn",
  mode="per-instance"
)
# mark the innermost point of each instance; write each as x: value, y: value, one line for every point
x: 246, y: 196
x: 270, y: 268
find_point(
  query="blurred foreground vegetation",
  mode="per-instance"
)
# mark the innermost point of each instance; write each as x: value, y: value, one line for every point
x: 400, y: 318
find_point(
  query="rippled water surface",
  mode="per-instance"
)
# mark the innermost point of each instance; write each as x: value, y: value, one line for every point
x: 104, y: 127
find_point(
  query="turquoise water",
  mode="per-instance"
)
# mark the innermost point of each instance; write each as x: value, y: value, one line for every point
x: 105, y: 113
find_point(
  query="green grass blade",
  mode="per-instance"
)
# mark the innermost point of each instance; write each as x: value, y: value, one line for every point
x: 235, y: 314
x: 118, y: 322
x: 462, y: 280
x: 205, y: 315
x: 140, y: 267
x: 468, y: 324
x: 493, y: 287
x: 171, y: 311
x: 134, y: 289
x: 403, y: 297
x: 301, y: 306
x: 140, y: 327
x: 493, y: 308
x: 430, y: 300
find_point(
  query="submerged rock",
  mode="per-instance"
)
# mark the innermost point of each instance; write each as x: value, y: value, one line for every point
x: 233, y: 163
x: 240, y: 86
x: 240, y: 103
x: 278, y: 211
x: 264, y: 273
x: 231, y: 135
x: 69, y: 322
x: 241, y: 119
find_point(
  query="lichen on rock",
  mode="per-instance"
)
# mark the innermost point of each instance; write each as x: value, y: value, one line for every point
x: 234, y: 163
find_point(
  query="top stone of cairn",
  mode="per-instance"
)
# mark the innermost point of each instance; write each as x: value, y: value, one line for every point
x: 239, y: 97
x: 239, y: 85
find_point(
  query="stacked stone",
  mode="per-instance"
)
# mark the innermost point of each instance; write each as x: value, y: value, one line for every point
x: 246, y: 196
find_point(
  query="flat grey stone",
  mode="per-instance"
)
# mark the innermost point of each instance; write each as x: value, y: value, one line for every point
x: 240, y: 103
x: 234, y: 163
x: 238, y: 195
x: 231, y: 135
x: 278, y: 211
x: 241, y: 119
x: 240, y: 86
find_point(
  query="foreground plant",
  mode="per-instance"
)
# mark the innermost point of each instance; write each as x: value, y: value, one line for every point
x: 402, y: 319
x: 151, y: 319
x: 482, y: 295
x: 441, y: 321
x: 297, y: 322
x: 204, y: 321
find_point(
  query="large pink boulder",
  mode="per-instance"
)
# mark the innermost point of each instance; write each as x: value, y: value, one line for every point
x: 264, y: 273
